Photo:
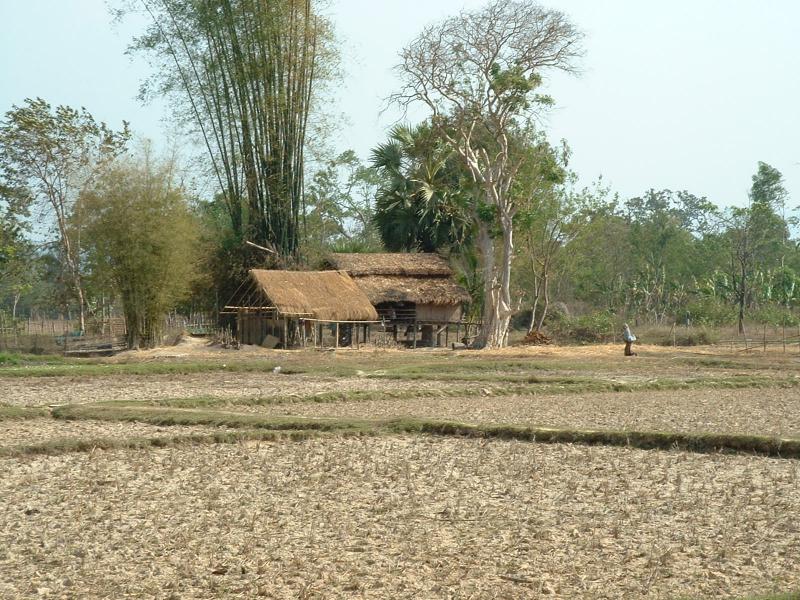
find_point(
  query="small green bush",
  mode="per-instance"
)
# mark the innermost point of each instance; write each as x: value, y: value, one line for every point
x: 710, y: 312
x: 8, y: 359
x: 774, y: 315
x: 693, y: 336
x: 592, y: 327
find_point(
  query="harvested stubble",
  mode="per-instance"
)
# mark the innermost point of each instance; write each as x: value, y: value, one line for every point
x: 769, y: 411
x: 37, y: 391
x: 398, y: 517
x: 48, y: 432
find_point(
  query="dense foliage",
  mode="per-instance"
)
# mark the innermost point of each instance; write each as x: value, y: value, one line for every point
x: 84, y: 233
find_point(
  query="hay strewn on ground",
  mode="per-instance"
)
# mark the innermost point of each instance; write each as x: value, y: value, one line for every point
x: 400, y: 518
x: 350, y: 515
x: 37, y: 431
x: 67, y: 390
x: 772, y: 412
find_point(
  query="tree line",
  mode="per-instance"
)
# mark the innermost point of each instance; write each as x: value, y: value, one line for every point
x: 91, y: 223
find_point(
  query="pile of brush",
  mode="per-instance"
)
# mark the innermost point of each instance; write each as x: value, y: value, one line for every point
x: 536, y: 338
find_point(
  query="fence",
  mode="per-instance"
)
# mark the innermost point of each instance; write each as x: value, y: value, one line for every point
x: 102, y: 335
x: 785, y: 340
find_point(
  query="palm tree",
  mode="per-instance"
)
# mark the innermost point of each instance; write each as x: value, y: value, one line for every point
x: 421, y: 204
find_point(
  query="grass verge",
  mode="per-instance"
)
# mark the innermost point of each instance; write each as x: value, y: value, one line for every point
x: 16, y: 359
x: 531, y: 387
x: 646, y: 440
x: 231, y: 420
x: 67, y: 445
x: 8, y: 413
x: 143, y: 368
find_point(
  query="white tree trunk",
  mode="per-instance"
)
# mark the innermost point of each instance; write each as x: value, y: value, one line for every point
x: 497, y: 287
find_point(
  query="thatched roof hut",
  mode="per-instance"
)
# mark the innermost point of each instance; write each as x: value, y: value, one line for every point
x: 424, y: 279
x: 321, y: 295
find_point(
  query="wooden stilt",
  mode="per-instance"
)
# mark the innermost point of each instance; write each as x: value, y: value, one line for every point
x: 337, y: 336
x: 415, y: 334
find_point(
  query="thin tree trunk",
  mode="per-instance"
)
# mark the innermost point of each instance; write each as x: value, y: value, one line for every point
x: 536, y: 293
x: 14, y: 306
x: 486, y: 247
x: 546, y: 293
x: 742, y: 297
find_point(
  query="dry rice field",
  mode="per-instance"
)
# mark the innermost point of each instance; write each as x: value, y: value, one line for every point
x: 116, y: 480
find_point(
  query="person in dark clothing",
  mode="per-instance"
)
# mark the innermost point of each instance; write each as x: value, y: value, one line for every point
x: 629, y: 338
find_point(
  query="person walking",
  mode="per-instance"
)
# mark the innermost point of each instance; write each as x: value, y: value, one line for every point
x: 629, y: 338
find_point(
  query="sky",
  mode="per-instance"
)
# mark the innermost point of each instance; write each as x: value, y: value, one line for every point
x: 686, y: 94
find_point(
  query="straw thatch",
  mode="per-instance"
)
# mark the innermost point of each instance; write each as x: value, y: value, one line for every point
x: 418, y: 278
x: 391, y: 264
x: 324, y: 295
x: 420, y: 290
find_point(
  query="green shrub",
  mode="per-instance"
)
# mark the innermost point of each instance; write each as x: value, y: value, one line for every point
x: 710, y: 311
x: 693, y: 336
x: 8, y: 359
x: 593, y: 327
x: 772, y: 314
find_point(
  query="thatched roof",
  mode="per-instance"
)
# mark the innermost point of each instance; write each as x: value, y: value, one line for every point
x: 324, y: 295
x: 402, y: 277
x: 420, y: 290
x: 427, y: 265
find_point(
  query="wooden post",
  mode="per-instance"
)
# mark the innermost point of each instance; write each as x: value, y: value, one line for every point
x: 672, y: 331
x: 415, y: 334
x: 285, y: 333
x: 337, y: 335
x: 354, y: 334
x: 447, y: 335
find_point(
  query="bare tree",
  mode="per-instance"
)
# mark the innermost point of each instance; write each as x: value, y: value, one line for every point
x: 478, y: 73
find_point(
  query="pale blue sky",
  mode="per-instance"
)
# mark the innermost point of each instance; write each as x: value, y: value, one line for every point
x: 680, y: 94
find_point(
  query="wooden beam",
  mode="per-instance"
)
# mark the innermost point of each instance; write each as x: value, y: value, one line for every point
x: 260, y: 247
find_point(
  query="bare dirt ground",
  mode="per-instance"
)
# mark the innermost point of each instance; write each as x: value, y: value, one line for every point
x: 398, y: 518
x: 37, y: 431
x: 407, y: 516
x: 38, y: 391
x: 774, y: 412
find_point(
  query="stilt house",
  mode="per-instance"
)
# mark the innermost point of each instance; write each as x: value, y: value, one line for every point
x: 415, y: 295
x: 301, y: 308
